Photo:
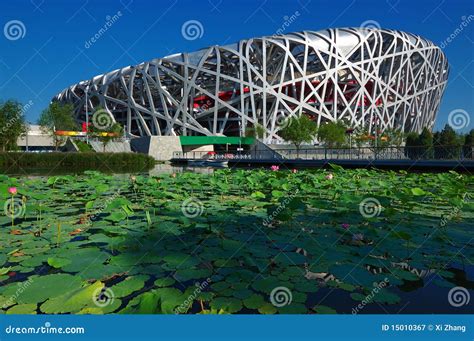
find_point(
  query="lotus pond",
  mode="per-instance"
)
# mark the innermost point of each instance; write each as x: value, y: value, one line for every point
x: 237, y: 241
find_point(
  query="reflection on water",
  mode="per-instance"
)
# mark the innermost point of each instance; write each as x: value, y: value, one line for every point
x: 165, y: 168
x: 160, y: 168
x: 417, y: 297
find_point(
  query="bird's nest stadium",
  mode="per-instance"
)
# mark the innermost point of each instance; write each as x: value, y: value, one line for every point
x: 368, y: 77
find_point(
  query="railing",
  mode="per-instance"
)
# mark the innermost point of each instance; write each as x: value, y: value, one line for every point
x: 356, y: 153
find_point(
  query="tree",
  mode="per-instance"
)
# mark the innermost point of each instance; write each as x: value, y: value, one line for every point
x: 468, y: 145
x: 12, y: 124
x: 426, y: 143
x: 419, y: 146
x: 57, y: 116
x: 298, y: 130
x: 447, y: 144
x: 360, y: 136
x: 105, y: 138
x: 333, y: 134
x: 395, y: 137
x: 104, y: 127
x: 257, y: 131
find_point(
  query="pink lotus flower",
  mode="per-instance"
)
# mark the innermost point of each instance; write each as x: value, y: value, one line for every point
x: 345, y: 226
x: 274, y: 168
x: 329, y: 176
x: 12, y: 190
x: 294, y: 170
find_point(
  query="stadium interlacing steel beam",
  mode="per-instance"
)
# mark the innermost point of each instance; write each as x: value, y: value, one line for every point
x: 368, y: 77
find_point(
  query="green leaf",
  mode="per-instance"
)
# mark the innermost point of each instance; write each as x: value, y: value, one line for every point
x: 57, y: 262
x: 170, y: 299
x: 4, y: 271
x: 277, y: 194
x: 164, y: 282
x: 322, y: 309
x: 356, y: 296
x: 73, y: 301
x: 129, y: 285
x: 267, y: 309
x: 418, y: 191
x: 254, y: 302
x: 228, y: 304
x: 148, y: 303
x: 23, y: 309
x: 40, y: 288
x: 258, y: 195
x: 293, y: 308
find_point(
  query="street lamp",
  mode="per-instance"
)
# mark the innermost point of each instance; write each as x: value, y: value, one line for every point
x: 87, y: 115
x: 349, y: 132
x: 26, y: 136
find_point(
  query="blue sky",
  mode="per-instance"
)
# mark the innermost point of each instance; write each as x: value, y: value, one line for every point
x: 51, y: 53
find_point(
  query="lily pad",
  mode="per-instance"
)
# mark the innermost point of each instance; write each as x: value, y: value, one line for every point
x: 23, y: 309
x: 40, y: 288
x: 57, y: 262
x: 254, y: 302
x: 73, y: 301
x: 164, y: 282
x: 267, y: 309
x: 129, y: 285
x: 230, y: 305
x: 322, y: 309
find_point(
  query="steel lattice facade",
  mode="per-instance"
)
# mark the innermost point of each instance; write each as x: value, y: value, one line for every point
x: 374, y: 78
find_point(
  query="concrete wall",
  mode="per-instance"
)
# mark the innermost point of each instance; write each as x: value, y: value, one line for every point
x: 111, y: 147
x: 260, y: 150
x: 159, y: 147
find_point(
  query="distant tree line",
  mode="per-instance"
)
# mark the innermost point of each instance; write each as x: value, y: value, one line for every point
x: 444, y: 144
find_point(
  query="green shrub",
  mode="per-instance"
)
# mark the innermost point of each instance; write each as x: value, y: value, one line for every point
x: 83, y: 147
x: 110, y: 162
